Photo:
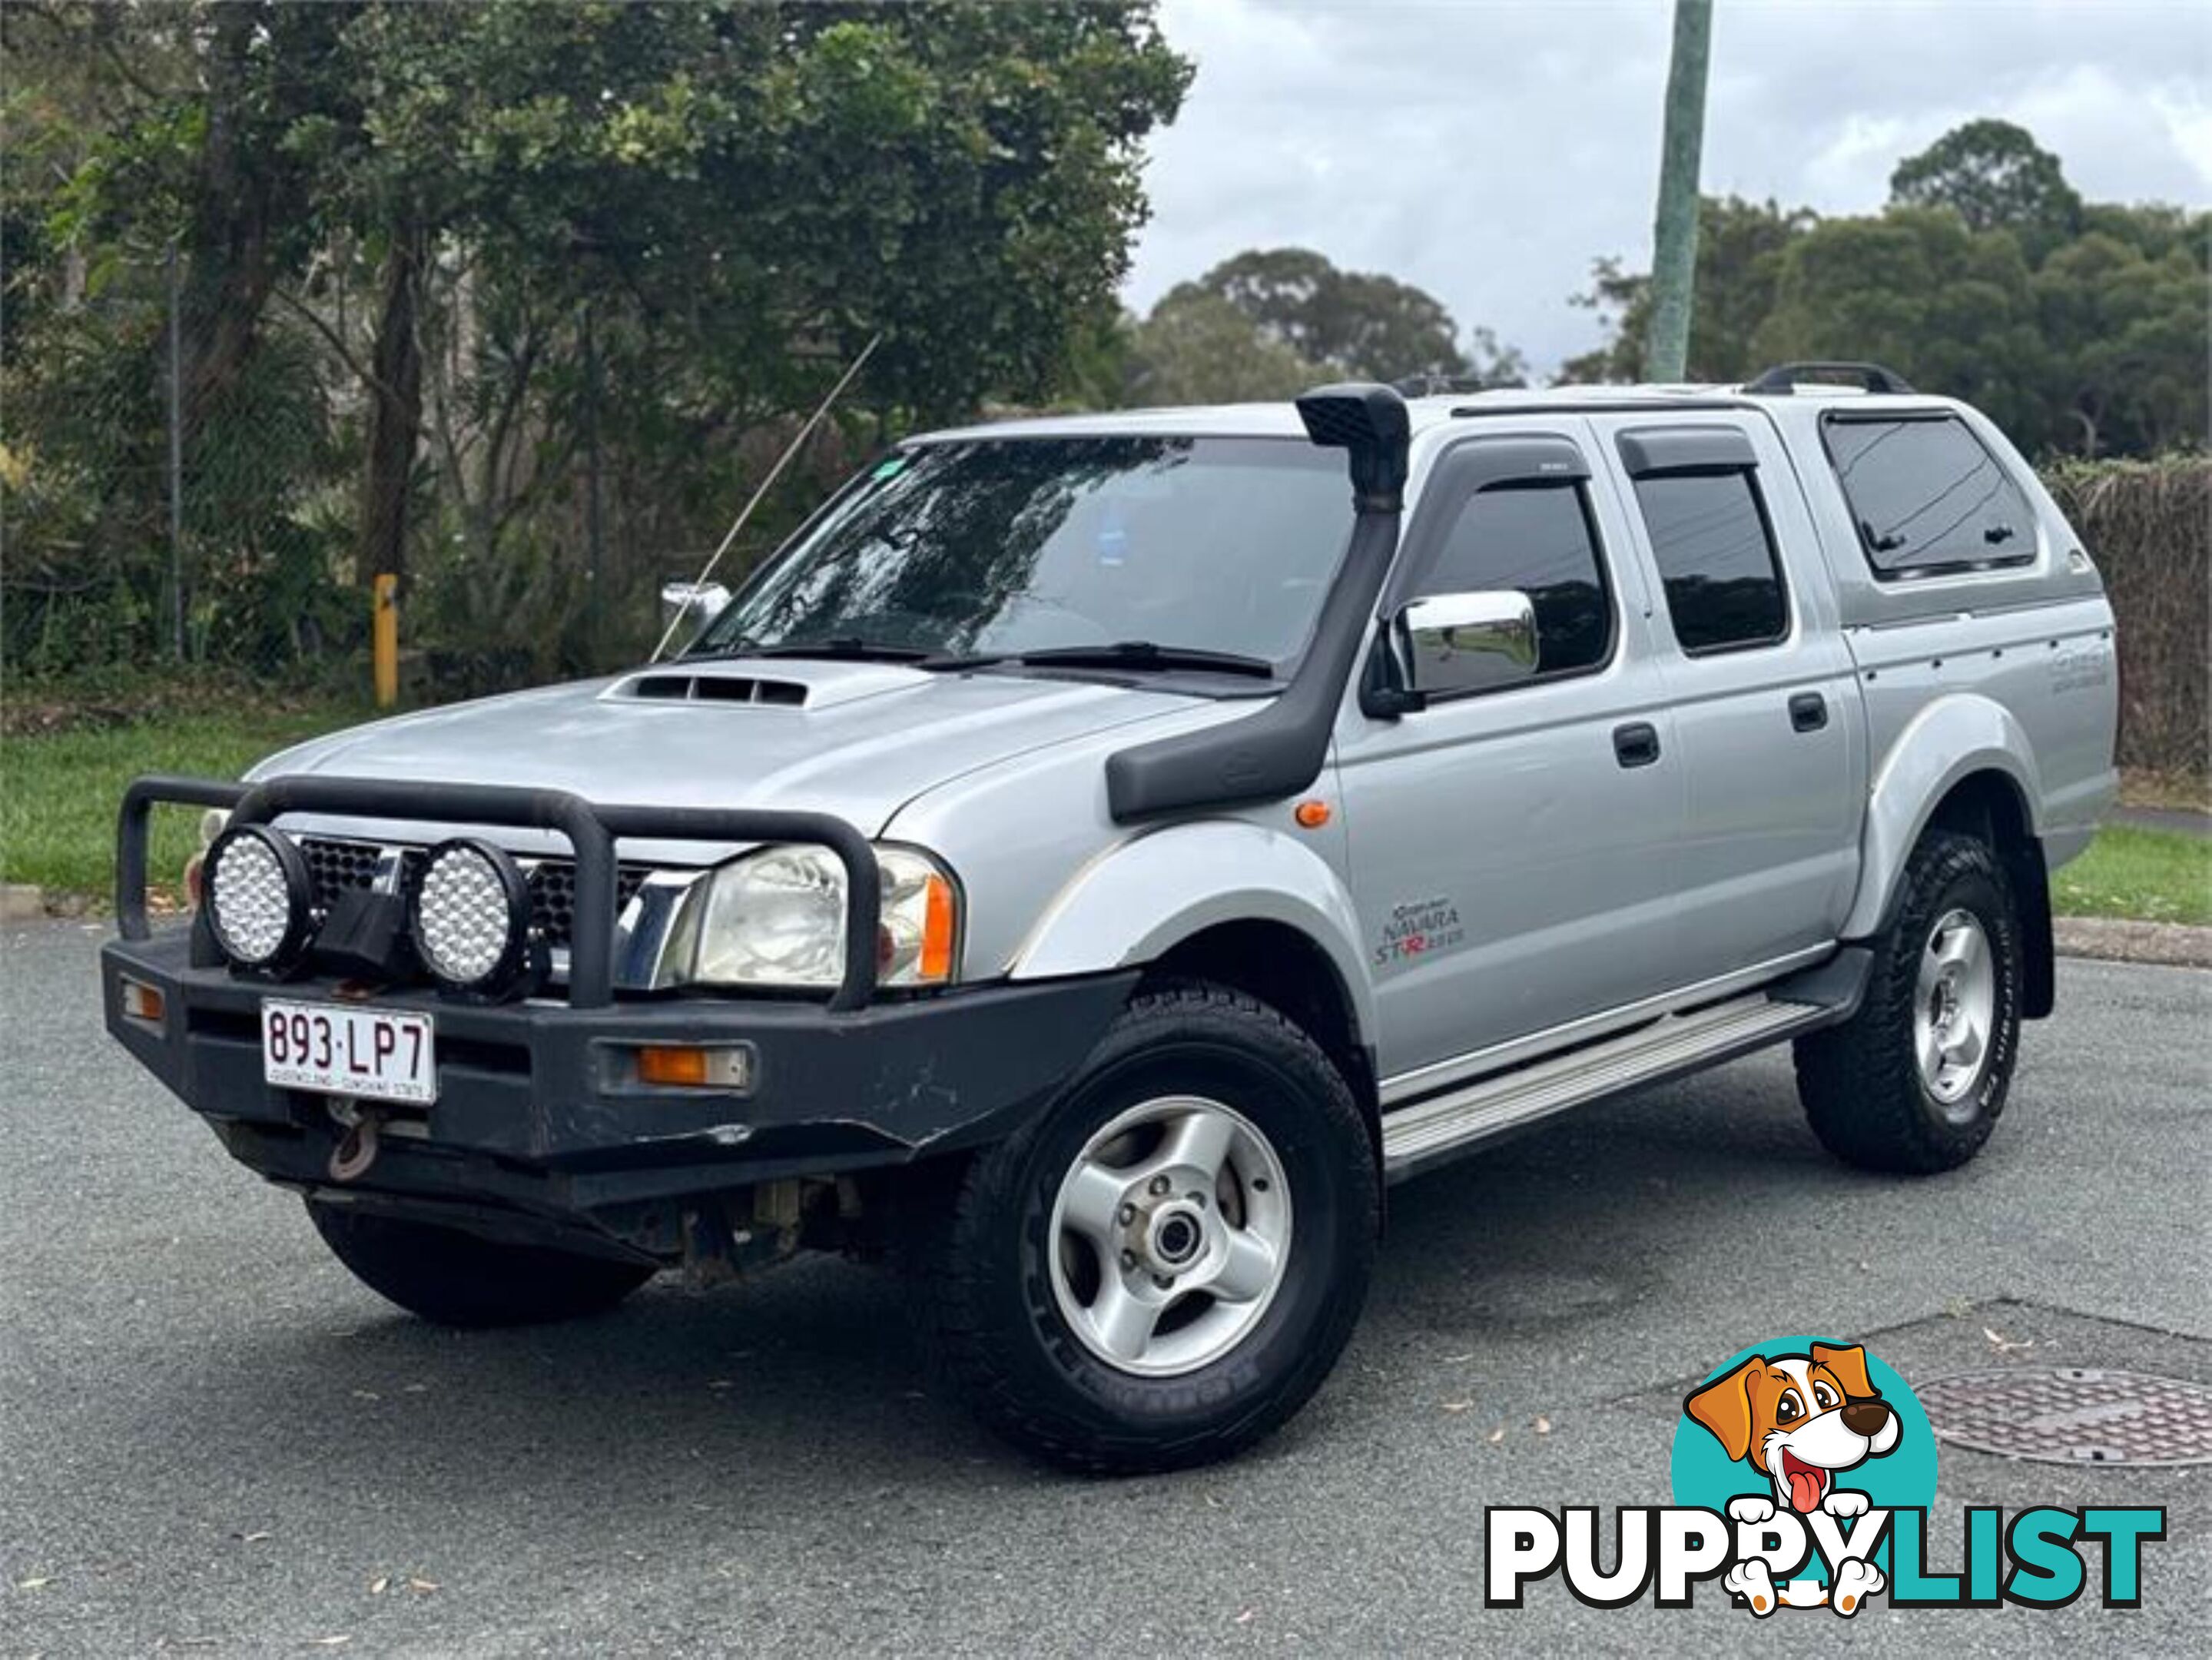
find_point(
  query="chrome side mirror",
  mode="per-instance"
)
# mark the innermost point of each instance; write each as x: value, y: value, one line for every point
x: 1452, y: 642
x: 691, y: 603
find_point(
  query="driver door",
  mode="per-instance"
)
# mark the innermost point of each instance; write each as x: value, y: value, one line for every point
x: 1514, y: 850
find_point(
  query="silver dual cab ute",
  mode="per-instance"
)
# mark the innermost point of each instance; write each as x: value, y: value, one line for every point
x: 1097, y: 853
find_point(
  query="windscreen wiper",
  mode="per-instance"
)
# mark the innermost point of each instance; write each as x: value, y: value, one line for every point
x: 1146, y: 655
x: 850, y: 647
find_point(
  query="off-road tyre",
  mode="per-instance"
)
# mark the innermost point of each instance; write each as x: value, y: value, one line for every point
x: 974, y: 1245
x: 457, y: 1278
x: 1862, y: 1085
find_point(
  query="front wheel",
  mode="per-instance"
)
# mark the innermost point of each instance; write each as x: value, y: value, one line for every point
x: 458, y: 1278
x: 1915, y: 1081
x: 1164, y: 1267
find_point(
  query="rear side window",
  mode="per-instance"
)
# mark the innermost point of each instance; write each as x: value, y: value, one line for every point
x: 1535, y: 538
x: 1926, y: 495
x: 1716, y: 556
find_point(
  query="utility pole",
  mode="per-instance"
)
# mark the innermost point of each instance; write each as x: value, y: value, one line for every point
x: 1674, y: 232
x: 176, y: 461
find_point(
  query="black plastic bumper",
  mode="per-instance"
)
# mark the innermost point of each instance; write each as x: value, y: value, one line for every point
x: 539, y: 1118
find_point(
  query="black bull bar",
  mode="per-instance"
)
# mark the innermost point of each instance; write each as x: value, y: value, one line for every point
x: 592, y: 829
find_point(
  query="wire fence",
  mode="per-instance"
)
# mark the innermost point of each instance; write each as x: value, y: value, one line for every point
x: 163, y: 510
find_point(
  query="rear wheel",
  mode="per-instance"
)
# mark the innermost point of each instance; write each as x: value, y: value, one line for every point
x: 1915, y: 1080
x: 1161, y: 1268
x: 458, y: 1278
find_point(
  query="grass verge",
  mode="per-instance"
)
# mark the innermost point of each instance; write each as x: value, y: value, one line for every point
x: 58, y: 789
x: 2144, y: 875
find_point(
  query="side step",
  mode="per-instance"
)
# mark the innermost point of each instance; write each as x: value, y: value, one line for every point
x: 1418, y: 1133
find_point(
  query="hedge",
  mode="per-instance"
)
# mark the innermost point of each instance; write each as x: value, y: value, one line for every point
x: 2148, y: 525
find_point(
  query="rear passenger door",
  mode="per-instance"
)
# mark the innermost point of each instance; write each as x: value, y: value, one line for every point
x: 1763, y: 697
x: 1512, y: 849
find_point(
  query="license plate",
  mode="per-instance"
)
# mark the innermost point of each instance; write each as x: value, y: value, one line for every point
x: 381, y: 1055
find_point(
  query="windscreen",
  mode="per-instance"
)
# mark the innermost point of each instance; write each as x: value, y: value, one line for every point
x: 1018, y: 544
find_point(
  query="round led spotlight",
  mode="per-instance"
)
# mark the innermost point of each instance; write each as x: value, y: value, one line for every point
x: 471, y: 914
x: 259, y: 897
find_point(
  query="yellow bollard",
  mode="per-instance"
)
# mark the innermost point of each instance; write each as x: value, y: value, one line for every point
x: 384, y: 639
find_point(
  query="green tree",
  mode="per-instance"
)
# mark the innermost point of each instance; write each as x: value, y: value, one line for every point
x: 1740, y: 245
x: 2125, y: 333
x: 1918, y: 291
x: 2077, y: 325
x: 503, y: 235
x: 175, y: 116
x: 1354, y: 322
x: 780, y: 183
x: 2154, y: 229
x: 1994, y: 176
x: 1197, y: 348
x: 132, y: 132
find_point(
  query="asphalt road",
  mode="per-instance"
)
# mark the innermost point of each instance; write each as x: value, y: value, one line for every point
x: 211, y: 1440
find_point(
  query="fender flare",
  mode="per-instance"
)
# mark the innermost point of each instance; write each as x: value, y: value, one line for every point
x: 1951, y: 739
x: 1143, y: 896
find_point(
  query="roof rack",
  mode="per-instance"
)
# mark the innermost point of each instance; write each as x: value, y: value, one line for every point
x: 1433, y: 384
x: 1781, y: 380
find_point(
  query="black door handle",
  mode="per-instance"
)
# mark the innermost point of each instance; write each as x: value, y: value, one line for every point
x: 1636, y: 745
x: 1808, y: 711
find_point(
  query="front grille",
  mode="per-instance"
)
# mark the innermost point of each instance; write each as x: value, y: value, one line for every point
x: 553, y: 895
x: 337, y: 866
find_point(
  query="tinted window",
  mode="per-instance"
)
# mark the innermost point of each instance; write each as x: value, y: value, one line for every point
x: 1724, y: 586
x: 1028, y: 544
x: 1926, y: 493
x: 1536, y: 539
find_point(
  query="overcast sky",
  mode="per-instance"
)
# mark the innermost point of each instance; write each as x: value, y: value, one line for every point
x: 1488, y: 149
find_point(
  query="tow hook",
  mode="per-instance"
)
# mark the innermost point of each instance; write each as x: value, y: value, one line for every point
x: 357, y: 1148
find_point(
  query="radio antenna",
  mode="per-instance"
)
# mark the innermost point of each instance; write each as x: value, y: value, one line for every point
x: 766, y: 484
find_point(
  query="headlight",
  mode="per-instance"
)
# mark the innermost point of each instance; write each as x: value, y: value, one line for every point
x: 776, y: 917
x: 471, y: 916
x: 259, y: 897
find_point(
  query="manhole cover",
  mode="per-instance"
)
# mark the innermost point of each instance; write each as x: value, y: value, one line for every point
x: 2074, y: 1416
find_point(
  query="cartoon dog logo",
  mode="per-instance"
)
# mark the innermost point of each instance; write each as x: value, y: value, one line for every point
x: 1800, y: 1420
